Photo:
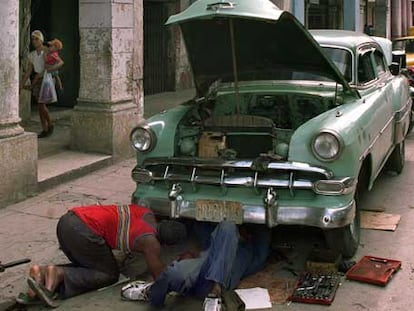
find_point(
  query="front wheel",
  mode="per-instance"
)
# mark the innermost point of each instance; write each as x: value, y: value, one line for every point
x: 345, y: 240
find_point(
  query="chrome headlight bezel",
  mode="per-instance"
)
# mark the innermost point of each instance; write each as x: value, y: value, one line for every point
x: 151, y: 138
x: 335, y: 138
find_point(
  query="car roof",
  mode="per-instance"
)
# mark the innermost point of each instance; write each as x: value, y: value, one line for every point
x: 345, y: 38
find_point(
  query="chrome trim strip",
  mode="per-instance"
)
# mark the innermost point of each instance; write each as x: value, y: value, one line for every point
x: 347, y: 186
x: 241, y: 164
x: 405, y: 106
x: 399, y: 132
x: 325, y: 218
x: 368, y: 150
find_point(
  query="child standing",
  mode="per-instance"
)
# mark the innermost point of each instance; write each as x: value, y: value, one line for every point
x: 52, y: 58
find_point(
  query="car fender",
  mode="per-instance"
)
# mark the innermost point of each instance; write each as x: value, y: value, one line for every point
x: 350, y: 123
x: 402, y: 104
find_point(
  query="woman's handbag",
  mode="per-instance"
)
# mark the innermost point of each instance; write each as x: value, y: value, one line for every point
x: 47, y: 93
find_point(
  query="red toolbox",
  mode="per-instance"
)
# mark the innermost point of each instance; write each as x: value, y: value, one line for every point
x: 374, y: 270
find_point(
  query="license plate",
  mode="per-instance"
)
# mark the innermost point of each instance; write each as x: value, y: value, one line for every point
x: 216, y: 211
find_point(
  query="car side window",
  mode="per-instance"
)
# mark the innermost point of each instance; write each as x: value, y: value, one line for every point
x: 366, y: 71
x: 409, y: 46
x: 379, y: 63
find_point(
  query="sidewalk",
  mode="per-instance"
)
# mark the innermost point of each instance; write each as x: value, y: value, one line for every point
x: 58, y: 164
x: 27, y: 228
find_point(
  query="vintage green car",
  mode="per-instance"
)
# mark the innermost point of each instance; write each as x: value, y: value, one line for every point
x: 288, y: 126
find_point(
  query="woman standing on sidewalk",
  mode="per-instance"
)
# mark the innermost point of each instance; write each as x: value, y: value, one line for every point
x: 35, y: 71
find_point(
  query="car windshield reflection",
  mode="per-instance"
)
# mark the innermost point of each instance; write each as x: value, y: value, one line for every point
x: 342, y: 59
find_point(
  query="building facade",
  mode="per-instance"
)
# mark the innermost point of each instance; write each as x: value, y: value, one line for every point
x: 386, y: 18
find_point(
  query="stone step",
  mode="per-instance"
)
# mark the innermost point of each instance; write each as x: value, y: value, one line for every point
x: 67, y: 165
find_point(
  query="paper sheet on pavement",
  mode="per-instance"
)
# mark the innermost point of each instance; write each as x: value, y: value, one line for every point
x: 255, y: 298
x: 379, y: 221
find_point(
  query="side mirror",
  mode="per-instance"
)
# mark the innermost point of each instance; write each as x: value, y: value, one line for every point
x: 395, y: 68
x: 400, y: 58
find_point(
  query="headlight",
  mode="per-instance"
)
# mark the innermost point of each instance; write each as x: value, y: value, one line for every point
x: 142, y: 138
x: 326, y: 146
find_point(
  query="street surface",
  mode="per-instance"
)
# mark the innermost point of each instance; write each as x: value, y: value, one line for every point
x: 27, y: 229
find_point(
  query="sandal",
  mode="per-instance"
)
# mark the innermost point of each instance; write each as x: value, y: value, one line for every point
x: 44, y: 294
x: 26, y: 300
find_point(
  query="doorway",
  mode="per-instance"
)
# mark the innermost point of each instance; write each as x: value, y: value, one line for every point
x: 159, y: 71
x: 60, y: 19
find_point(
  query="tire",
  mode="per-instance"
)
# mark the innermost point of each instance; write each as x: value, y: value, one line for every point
x: 396, y: 160
x: 345, y: 240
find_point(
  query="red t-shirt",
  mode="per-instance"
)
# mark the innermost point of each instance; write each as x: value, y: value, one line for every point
x: 119, y: 225
x: 51, y: 58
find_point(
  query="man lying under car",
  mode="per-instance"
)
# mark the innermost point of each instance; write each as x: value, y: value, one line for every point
x: 229, y: 253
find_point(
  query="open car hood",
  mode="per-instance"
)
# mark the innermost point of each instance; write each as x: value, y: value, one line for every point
x: 254, y: 40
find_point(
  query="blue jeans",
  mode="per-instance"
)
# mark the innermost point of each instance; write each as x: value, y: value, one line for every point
x: 226, y: 261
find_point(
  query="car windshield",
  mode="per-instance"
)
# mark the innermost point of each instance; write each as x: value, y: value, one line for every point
x: 406, y: 45
x: 342, y: 59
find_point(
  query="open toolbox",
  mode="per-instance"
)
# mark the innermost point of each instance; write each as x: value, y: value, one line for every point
x: 374, y: 270
x: 316, y: 287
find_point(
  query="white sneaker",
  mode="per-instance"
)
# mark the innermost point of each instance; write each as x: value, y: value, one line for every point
x: 137, y: 290
x: 212, y: 304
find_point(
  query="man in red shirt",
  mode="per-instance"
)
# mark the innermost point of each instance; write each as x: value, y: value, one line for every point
x: 87, y: 235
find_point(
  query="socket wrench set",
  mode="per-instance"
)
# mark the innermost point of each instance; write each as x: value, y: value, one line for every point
x: 316, y: 287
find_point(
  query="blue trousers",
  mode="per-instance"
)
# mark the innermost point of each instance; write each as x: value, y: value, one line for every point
x: 226, y: 261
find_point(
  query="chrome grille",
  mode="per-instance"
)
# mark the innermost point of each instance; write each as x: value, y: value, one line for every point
x: 239, y: 173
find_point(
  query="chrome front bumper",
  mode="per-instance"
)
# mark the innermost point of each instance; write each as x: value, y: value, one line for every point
x: 270, y: 215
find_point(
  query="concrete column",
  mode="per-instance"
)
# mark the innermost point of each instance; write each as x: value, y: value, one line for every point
x: 298, y: 9
x: 389, y: 26
x: 404, y: 17
x: 352, y: 15
x: 396, y: 30
x: 110, y: 99
x: 24, y: 45
x: 381, y: 18
x: 18, y: 150
x: 409, y: 14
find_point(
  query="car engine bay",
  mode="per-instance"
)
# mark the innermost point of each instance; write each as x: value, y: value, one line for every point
x: 260, y: 125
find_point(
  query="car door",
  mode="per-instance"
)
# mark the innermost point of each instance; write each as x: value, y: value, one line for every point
x: 375, y: 89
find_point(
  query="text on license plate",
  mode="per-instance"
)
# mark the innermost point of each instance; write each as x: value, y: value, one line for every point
x: 216, y: 211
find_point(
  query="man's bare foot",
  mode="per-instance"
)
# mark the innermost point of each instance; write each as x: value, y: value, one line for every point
x: 38, y: 274
x: 44, y: 295
x: 54, y: 276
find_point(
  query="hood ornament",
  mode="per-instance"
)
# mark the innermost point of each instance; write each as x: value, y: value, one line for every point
x: 220, y: 5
